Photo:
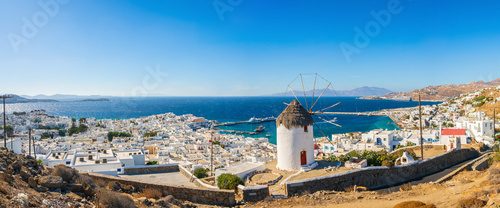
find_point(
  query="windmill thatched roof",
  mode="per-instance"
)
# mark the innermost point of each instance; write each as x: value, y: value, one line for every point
x: 294, y: 115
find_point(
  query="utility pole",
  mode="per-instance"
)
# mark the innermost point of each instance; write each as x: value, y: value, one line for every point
x: 5, y: 121
x: 494, y: 123
x: 34, y: 150
x: 420, y: 118
x: 211, y: 153
x: 29, y: 141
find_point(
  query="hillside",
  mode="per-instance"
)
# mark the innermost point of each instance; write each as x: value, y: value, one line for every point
x: 25, y: 182
x: 443, y: 92
x: 486, y: 101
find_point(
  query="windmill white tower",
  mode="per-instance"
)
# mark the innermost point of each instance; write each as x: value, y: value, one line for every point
x: 295, y: 132
x: 295, y: 139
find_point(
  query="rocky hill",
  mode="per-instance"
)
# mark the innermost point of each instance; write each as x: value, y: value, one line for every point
x: 487, y: 100
x: 443, y: 92
x: 24, y: 182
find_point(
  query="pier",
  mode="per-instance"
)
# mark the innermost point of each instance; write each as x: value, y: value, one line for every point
x: 367, y: 113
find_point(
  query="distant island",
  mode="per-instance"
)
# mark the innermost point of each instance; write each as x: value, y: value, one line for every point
x: 54, y: 98
x: 95, y: 100
x: 19, y: 99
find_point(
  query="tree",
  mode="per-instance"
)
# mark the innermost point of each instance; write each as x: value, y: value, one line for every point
x: 228, y: 181
x: 153, y: 162
x: 201, y: 172
x: 112, y: 134
x: 62, y: 132
x: 151, y: 134
x: 9, y: 130
x: 46, y: 135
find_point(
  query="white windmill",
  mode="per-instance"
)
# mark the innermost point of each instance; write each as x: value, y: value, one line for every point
x: 294, y: 126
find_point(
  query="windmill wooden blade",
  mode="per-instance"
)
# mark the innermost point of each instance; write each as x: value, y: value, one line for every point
x: 322, y: 110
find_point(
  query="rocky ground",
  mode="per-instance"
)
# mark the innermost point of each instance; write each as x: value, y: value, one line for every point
x: 24, y: 182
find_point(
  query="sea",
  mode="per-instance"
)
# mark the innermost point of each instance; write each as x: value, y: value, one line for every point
x: 229, y: 109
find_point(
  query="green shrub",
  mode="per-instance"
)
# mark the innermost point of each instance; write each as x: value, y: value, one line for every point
x: 228, y: 181
x: 152, y: 162
x: 112, y: 134
x: 200, y: 172
x: 150, y: 134
x: 374, y: 158
x: 388, y: 163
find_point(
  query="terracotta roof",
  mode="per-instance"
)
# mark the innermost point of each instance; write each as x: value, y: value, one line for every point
x: 453, y: 132
x: 294, y: 115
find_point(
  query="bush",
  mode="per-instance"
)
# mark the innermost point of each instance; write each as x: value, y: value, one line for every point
x: 151, y: 193
x: 374, y: 158
x: 414, y: 204
x: 111, y: 199
x: 201, y: 172
x: 66, y: 173
x: 117, y: 134
x: 388, y: 163
x: 228, y: 181
x: 471, y: 203
x: 152, y: 162
x: 150, y: 134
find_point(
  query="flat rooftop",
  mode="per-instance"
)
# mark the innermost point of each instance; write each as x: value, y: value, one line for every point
x: 172, y: 179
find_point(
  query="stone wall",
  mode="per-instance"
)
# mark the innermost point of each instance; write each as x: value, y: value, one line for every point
x: 253, y: 193
x: 149, y: 169
x: 196, y: 195
x: 381, y: 177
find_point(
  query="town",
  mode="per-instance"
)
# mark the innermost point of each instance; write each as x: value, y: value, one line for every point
x: 187, y: 151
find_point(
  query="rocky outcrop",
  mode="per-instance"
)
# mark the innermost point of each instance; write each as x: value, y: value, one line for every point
x: 26, y: 183
x: 52, y: 182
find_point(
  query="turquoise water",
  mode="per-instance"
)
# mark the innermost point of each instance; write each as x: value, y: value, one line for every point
x: 227, y: 109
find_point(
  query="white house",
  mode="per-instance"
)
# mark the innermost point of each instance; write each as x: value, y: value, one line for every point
x: 480, y: 127
x: 452, y: 138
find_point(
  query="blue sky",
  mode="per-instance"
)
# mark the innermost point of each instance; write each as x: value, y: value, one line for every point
x: 242, y: 47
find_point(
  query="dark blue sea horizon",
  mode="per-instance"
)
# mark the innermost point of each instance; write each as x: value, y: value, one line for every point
x: 225, y: 109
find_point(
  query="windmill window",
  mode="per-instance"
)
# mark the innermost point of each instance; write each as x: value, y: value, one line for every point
x: 305, y: 128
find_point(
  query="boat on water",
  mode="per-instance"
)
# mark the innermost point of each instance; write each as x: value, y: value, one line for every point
x: 259, y: 129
